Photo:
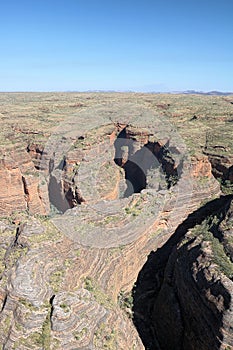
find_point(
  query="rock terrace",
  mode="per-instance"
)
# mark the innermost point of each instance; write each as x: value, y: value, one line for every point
x: 96, y: 192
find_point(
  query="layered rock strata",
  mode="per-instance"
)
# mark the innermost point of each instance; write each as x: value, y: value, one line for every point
x: 183, y: 294
x: 20, y: 183
x: 123, y: 180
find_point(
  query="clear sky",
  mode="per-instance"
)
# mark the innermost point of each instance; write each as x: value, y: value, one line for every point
x: 149, y: 45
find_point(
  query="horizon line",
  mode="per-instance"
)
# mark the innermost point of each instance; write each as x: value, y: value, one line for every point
x: 189, y: 91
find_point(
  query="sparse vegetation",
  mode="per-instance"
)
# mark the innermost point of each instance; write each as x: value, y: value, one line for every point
x: 203, y: 123
x: 56, y: 279
x: 132, y: 211
x: 42, y: 339
x: 136, y: 206
x: 105, y: 337
x: 125, y: 301
x: 78, y: 335
x: 45, y: 337
x: 88, y: 284
x: 100, y: 296
x: 220, y: 258
x: 65, y: 307
x: 27, y: 304
x: 226, y: 186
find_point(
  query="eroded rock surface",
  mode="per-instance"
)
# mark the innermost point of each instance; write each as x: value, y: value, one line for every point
x: 184, y: 292
x: 116, y: 181
x: 20, y: 190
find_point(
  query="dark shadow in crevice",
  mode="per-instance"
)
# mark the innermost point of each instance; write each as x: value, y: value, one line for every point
x: 136, y: 166
x: 151, y: 277
x: 164, y: 156
x: 62, y: 164
x: 135, y: 178
x: 118, y: 144
x: 60, y: 199
x: 137, y: 160
x: 56, y: 196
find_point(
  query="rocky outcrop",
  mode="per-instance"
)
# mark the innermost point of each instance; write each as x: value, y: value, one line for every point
x: 120, y: 183
x: 36, y: 151
x: 20, y: 190
x: 51, y: 301
x: 219, y: 150
x: 184, y: 291
x: 93, y: 252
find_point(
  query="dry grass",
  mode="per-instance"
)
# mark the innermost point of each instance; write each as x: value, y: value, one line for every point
x: 32, y: 117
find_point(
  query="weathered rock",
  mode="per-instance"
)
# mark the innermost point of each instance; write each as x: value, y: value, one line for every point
x: 61, y: 277
x: 219, y: 150
x: 189, y: 295
x: 42, y: 306
x: 20, y: 184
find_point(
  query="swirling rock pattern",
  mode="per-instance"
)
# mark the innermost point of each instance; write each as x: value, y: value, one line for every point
x: 37, y: 312
x: 61, y: 275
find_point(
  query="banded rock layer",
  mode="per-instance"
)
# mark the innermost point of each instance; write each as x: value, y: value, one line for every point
x: 122, y: 182
x: 183, y: 298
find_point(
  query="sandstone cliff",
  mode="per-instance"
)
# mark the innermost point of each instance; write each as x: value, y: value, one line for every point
x: 183, y: 294
x: 116, y: 181
x: 20, y: 183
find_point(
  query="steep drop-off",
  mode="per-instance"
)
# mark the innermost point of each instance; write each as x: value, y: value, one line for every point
x: 116, y: 181
x: 183, y: 296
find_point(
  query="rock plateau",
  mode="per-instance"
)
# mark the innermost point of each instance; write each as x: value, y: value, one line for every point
x: 116, y: 221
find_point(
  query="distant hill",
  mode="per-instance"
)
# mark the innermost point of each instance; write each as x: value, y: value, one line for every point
x: 215, y: 93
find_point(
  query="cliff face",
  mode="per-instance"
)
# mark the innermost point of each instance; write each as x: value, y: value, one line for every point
x: 218, y: 148
x: 20, y: 184
x: 116, y: 182
x: 189, y: 303
x: 93, y: 253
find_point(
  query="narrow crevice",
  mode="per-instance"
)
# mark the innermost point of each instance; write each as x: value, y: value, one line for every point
x: 51, y: 306
x: 25, y: 189
x: 73, y: 196
x: 4, y: 303
x: 45, y: 337
x: 17, y: 234
x: 26, y: 192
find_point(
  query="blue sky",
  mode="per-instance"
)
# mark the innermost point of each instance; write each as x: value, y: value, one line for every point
x: 62, y: 45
